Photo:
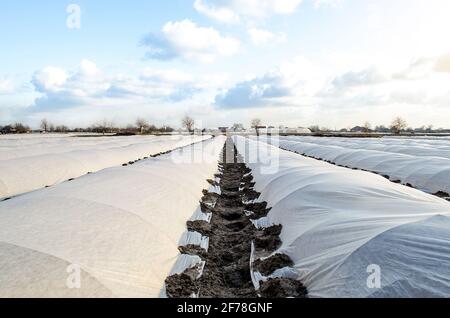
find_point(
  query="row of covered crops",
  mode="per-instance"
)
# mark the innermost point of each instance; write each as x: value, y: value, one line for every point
x: 341, y: 227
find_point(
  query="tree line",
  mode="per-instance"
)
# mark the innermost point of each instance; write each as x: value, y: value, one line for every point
x: 141, y: 126
x: 397, y: 127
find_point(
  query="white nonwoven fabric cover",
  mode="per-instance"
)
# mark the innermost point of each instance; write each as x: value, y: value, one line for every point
x: 338, y: 223
x: 430, y: 174
x: 121, y: 226
x: 35, y: 163
x: 408, y: 146
x: 30, y: 145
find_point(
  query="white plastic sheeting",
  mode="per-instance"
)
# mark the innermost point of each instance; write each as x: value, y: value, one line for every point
x: 121, y: 227
x: 339, y: 223
x: 32, y: 163
x: 430, y: 174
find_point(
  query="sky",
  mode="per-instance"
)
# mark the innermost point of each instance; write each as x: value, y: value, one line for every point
x: 332, y: 63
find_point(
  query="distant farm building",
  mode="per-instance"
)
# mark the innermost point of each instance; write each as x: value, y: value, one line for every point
x: 287, y: 130
x: 358, y: 129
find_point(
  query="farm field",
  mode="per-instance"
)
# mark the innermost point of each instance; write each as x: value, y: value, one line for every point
x: 420, y: 163
x: 224, y: 156
x: 28, y: 163
x: 222, y: 217
x: 121, y: 226
x: 338, y: 221
x: 420, y: 147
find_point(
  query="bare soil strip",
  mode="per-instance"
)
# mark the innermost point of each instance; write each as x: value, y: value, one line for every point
x: 227, y: 273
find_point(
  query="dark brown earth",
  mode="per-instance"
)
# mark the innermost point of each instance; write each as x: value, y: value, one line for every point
x: 227, y: 271
x: 283, y: 288
x: 270, y: 265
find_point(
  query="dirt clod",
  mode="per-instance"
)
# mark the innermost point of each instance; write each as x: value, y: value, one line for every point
x: 202, y: 227
x: 270, y: 265
x: 283, y: 288
x: 180, y: 286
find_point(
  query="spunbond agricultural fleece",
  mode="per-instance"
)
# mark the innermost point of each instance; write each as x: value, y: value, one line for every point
x: 36, y: 162
x: 430, y: 174
x: 121, y: 226
x: 339, y: 223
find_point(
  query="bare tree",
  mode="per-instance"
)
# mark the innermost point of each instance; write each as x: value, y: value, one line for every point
x: 104, y: 127
x: 256, y: 124
x: 188, y: 123
x: 315, y: 128
x: 398, y: 125
x: 238, y: 127
x: 142, y: 124
x: 367, y: 127
x: 44, y: 125
x: 61, y: 129
x: 21, y: 128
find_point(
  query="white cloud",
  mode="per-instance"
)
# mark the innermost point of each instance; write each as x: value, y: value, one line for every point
x: 338, y: 98
x: 184, y: 39
x: 230, y: 11
x: 416, y: 85
x: 89, y: 86
x: 258, y: 92
x: 326, y: 3
x: 370, y: 76
x: 418, y: 69
x: 89, y: 94
x: 261, y: 37
x: 49, y: 78
x: 443, y: 64
x: 88, y: 68
x: 6, y: 86
x: 223, y: 14
x: 292, y: 83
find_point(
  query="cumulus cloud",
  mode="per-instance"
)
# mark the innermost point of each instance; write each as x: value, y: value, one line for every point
x: 370, y: 76
x: 185, y: 40
x: 49, y: 79
x: 231, y: 11
x: 90, y: 86
x: 261, y: 37
x: 260, y: 91
x: 294, y: 82
x: 88, y: 68
x: 221, y: 14
x: 301, y: 83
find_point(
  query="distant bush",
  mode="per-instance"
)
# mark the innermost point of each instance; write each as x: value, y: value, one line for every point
x: 17, y: 128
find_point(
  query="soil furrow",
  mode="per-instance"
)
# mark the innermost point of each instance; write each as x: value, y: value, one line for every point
x: 227, y: 273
